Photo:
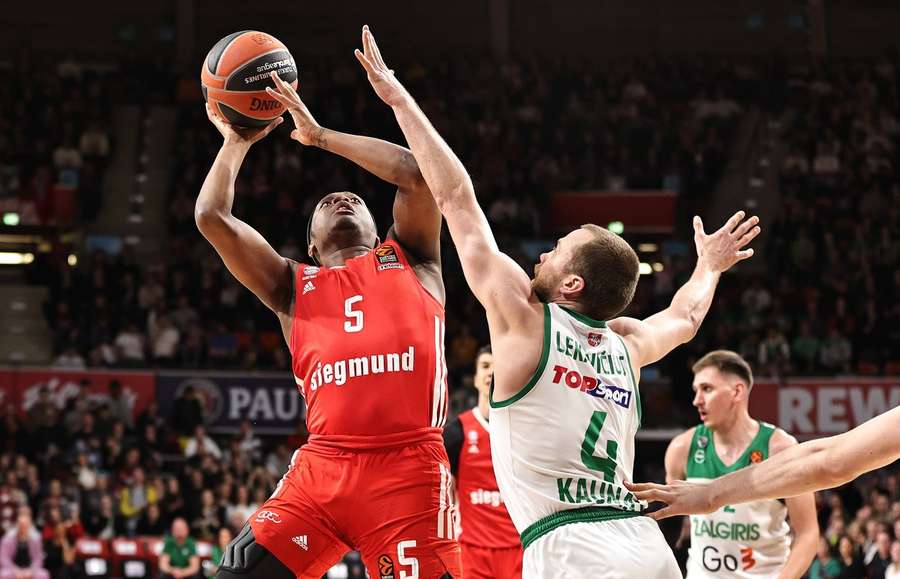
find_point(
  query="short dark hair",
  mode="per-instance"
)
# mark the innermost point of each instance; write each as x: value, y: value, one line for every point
x: 728, y: 362
x: 609, y: 268
x: 483, y: 350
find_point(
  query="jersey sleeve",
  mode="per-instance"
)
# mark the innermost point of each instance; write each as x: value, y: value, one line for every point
x: 453, y: 442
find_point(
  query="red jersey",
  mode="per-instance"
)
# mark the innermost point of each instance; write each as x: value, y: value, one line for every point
x: 367, y: 347
x: 482, y: 514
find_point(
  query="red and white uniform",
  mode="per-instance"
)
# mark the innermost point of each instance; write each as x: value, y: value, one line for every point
x: 367, y: 346
x: 490, y: 543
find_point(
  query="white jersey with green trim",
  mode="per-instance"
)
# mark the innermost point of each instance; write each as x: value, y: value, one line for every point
x: 565, y: 441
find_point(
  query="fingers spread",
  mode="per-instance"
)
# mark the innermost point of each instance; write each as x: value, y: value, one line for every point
x: 745, y: 226
x: 363, y: 61
x: 748, y: 237
x: 733, y: 221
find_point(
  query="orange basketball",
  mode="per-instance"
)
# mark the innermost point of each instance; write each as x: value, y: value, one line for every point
x: 235, y: 75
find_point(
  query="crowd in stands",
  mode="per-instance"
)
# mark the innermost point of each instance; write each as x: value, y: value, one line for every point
x: 55, y: 141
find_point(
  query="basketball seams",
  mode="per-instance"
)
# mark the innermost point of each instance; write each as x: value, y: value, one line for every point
x: 228, y: 47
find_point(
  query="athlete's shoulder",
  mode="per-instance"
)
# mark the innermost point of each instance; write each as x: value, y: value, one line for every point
x: 780, y: 440
x: 684, y: 439
x: 677, y: 454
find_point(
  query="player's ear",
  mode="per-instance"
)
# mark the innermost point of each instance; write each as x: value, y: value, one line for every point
x: 572, y: 286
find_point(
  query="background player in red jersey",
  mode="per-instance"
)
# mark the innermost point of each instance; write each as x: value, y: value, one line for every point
x: 488, y: 540
x: 365, y: 330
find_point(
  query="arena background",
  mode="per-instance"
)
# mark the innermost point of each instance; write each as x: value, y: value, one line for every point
x: 634, y: 115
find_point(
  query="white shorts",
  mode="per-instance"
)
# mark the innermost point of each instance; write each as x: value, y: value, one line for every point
x: 632, y: 548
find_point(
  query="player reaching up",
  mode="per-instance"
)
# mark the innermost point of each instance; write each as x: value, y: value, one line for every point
x: 565, y: 404
x: 365, y: 328
x: 488, y: 541
x: 746, y: 540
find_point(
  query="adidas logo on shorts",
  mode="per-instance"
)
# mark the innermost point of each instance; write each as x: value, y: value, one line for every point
x: 300, y: 541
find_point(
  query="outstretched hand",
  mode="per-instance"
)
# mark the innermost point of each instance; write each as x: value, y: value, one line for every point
x: 307, y: 131
x: 682, y: 498
x: 724, y: 248
x: 238, y: 135
x: 382, y: 78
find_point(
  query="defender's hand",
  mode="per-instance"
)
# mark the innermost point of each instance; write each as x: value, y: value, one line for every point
x: 307, y: 131
x: 386, y: 85
x: 724, y: 248
x: 682, y: 498
x: 236, y: 135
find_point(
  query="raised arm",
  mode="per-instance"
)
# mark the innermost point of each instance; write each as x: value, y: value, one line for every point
x: 495, y: 279
x: 417, y: 221
x: 814, y: 465
x: 651, y: 339
x: 247, y: 255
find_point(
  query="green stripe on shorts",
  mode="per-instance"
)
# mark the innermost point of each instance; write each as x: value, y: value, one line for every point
x: 584, y: 515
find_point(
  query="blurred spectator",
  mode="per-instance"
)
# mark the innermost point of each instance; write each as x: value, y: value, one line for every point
x: 164, y: 342
x: 104, y: 522
x: 836, y: 352
x: 893, y: 570
x: 70, y: 358
x: 119, y: 404
x: 878, y: 566
x: 187, y: 412
x: 210, y: 518
x: 179, y: 555
x: 134, y: 499
x: 239, y: 511
x: 21, y: 551
x: 151, y: 522
x: 130, y: 346
x: 850, y: 559
x: 218, y: 551
x: 250, y: 444
x: 201, y: 443
x: 825, y: 565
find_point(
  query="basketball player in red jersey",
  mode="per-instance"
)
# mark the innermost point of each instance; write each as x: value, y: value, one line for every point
x: 365, y: 327
x: 488, y: 541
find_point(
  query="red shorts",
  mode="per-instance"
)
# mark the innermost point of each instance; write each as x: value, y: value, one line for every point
x: 392, y: 505
x: 485, y: 563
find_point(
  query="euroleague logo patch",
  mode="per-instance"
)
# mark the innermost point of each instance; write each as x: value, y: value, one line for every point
x: 386, y: 567
x: 756, y: 456
x: 386, y: 255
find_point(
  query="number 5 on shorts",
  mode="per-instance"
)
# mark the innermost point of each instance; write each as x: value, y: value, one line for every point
x: 605, y: 465
x: 402, y: 559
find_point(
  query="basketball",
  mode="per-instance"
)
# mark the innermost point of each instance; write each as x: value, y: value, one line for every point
x: 235, y: 75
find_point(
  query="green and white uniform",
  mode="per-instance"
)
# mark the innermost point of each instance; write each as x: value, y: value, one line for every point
x: 562, y: 447
x: 750, y: 540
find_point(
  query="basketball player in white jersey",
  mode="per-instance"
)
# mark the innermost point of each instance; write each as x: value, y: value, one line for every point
x: 565, y: 404
x: 815, y: 465
x: 749, y: 540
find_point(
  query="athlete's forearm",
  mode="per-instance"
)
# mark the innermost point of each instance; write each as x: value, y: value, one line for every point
x: 442, y: 170
x: 693, y: 300
x: 387, y: 161
x: 803, y: 550
x: 217, y: 193
x: 815, y: 464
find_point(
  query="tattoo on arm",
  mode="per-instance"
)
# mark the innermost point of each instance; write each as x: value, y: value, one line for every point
x: 320, y: 139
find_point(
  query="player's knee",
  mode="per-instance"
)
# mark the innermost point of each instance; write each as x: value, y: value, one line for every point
x: 244, y: 558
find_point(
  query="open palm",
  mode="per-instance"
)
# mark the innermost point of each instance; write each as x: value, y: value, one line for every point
x: 724, y: 248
